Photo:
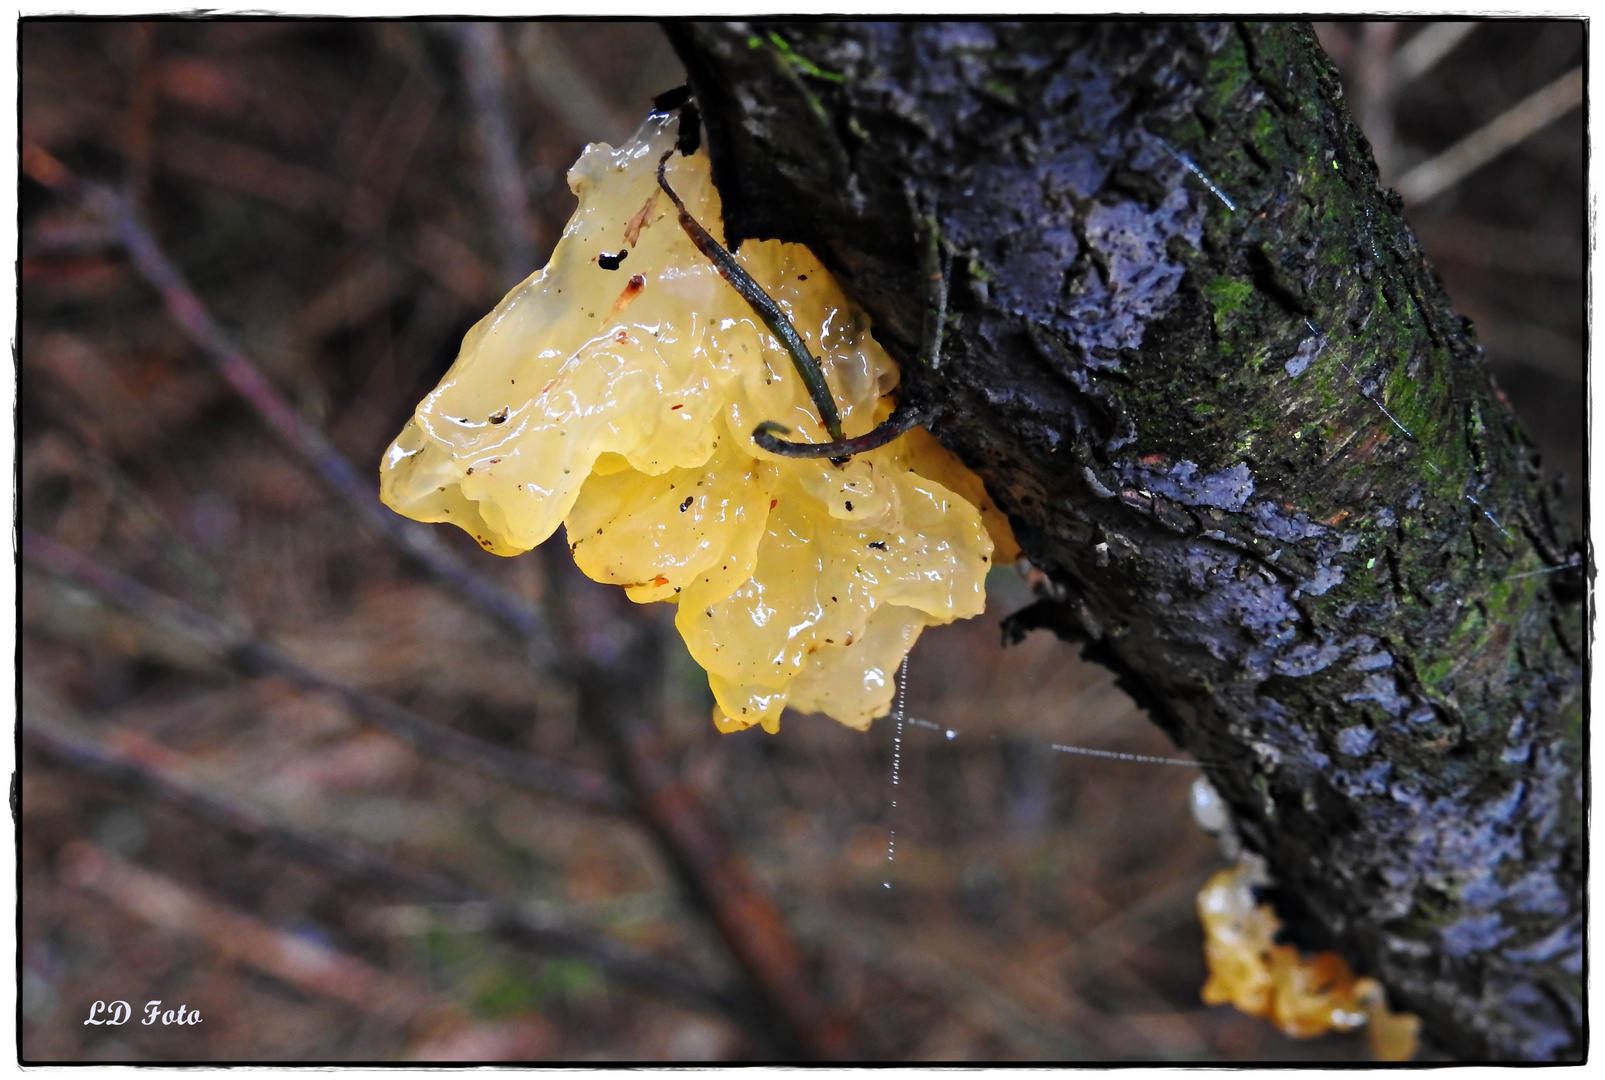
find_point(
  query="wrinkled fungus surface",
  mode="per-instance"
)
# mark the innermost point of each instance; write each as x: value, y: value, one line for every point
x: 1303, y: 996
x: 618, y: 398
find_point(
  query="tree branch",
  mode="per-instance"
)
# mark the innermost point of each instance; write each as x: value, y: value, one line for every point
x: 1199, y: 359
x: 249, y: 655
x: 513, y: 922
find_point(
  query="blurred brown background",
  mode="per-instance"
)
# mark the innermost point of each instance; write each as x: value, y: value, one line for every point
x: 348, y: 198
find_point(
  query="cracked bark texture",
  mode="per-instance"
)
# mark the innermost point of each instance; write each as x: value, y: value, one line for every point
x: 1200, y: 360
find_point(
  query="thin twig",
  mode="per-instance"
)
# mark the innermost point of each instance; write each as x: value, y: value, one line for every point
x: 567, y: 88
x: 1426, y: 48
x: 808, y: 369
x: 903, y: 420
x: 251, y: 656
x: 246, y: 379
x: 139, y: 120
x: 440, y: 1029
x: 1373, y: 91
x: 304, y: 963
x: 1509, y: 129
x: 485, y: 69
x: 614, y: 701
x: 249, y: 382
x: 906, y: 417
x: 538, y: 930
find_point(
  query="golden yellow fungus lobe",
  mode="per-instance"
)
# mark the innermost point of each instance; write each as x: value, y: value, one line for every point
x: 623, y: 408
x: 1303, y: 996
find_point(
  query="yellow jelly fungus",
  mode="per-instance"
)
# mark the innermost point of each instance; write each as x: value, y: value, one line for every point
x: 1303, y: 996
x: 616, y: 392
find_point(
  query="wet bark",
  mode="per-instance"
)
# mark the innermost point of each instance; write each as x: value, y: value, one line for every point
x: 1197, y: 355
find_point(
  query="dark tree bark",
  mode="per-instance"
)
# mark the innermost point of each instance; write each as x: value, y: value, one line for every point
x: 1198, y: 357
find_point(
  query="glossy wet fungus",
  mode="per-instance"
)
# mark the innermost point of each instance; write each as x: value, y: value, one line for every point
x: 1303, y: 995
x: 626, y: 413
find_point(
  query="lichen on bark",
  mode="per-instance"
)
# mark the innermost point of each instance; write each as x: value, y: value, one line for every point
x: 1198, y: 357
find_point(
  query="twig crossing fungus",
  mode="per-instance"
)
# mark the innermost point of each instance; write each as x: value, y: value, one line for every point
x: 624, y: 408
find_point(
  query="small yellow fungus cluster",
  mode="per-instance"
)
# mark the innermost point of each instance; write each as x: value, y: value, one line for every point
x: 616, y: 392
x: 1303, y: 996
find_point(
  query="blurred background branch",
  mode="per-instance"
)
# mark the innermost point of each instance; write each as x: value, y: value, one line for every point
x: 486, y: 71
x: 1509, y: 129
x: 249, y: 656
